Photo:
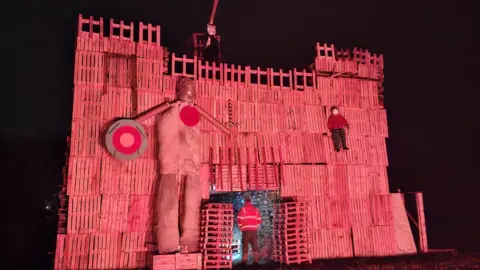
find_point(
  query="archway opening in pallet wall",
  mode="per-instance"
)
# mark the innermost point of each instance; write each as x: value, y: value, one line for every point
x: 264, y: 201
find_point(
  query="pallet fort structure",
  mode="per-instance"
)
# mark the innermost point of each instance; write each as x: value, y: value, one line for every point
x: 280, y: 143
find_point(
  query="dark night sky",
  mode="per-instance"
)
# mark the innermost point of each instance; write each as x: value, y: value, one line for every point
x: 431, y: 61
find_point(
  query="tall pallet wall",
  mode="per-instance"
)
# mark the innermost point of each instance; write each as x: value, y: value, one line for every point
x: 280, y: 142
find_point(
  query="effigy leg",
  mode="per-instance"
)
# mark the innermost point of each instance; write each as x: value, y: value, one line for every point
x: 337, y: 140
x: 166, y: 214
x: 192, y: 199
x: 343, y: 137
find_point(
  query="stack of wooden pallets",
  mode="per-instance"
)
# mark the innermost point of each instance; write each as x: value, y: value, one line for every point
x: 217, y: 236
x: 291, y: 233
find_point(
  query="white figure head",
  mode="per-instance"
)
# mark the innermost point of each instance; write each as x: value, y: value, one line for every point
x: 211, y: 29
x: 334, y: 110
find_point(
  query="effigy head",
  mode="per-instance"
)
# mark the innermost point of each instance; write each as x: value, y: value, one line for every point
x: 186, y: 90
x: 334, y: 110
x: 211, y: 29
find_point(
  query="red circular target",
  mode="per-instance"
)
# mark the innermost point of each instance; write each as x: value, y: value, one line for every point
x: 126, y: 139
x: 190, y: 116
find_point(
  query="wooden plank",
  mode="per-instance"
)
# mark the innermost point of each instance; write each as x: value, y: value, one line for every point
x: 421, y: 223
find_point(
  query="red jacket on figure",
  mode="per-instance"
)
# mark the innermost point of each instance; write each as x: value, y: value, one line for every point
x: 249, y: 218
x: 336, y: 122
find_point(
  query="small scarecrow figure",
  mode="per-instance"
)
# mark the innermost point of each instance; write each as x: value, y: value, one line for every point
x: 336, y: 124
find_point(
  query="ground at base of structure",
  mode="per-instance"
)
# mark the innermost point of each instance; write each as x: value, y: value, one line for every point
x: 427, y: 261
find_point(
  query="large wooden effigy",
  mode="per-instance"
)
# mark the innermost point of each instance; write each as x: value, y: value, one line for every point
x: 279, y: 142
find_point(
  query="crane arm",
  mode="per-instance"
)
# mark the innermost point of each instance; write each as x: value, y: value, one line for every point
x: 214, y: 10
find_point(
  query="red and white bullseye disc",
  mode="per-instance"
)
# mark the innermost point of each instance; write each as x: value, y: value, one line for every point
x: 190, y: 116
x: 126, y: 139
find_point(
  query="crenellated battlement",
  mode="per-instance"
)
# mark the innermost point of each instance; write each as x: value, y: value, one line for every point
x: 122, y: 40
x: 147, y: 33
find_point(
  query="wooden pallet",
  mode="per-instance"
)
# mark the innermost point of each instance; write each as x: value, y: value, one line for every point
x: 177, y: 261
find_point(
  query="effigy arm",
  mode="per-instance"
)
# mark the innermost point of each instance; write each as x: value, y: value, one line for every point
x: 155, y: 110
x: 212, y: 120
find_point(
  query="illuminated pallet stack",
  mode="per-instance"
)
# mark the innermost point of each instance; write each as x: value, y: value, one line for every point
x: 291, y: 233
x: 217, y: 236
